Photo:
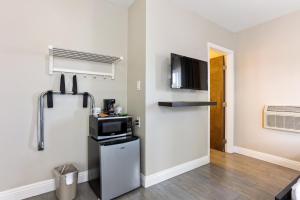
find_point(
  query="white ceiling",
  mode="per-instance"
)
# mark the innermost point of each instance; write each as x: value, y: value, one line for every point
x: 125, y: 3
x: 236, y: 15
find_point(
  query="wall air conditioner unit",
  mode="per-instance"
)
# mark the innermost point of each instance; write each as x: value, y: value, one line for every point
x: 285, y: 118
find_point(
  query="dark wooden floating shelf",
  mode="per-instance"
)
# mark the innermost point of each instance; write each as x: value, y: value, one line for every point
x: 186, y: 103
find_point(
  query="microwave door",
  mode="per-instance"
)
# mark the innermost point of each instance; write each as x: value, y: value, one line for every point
x: 112, y: 127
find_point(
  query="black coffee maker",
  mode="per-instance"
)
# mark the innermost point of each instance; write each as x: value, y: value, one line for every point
x: 108, y: 106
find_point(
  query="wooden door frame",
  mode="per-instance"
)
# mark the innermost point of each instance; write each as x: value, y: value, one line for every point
x: 229, y: 95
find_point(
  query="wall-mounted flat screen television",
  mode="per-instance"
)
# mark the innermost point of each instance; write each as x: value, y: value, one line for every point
x: 188, y: 73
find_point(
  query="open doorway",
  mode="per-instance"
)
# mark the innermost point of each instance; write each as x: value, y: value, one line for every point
x: 221, y: 90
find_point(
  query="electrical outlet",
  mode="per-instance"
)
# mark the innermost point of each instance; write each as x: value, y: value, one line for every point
x: 138, y: 122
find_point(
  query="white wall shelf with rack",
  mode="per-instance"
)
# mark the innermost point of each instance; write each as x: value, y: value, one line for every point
x: 83, y: 56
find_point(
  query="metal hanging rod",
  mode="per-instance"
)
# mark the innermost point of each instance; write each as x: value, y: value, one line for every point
x: 85, y: 56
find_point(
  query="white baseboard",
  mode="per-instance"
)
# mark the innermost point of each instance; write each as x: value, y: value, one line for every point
x: 284, y: 162
x: 35, y: 189
x: 161, y: 176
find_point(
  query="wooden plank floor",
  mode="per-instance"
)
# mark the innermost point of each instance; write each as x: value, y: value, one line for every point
x: 227, y: 177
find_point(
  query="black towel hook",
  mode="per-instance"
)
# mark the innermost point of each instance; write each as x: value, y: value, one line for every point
x: 74, y: 87
x: 62, y: 84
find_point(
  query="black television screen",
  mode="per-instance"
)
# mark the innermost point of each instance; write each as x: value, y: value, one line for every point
x: 188, y: 73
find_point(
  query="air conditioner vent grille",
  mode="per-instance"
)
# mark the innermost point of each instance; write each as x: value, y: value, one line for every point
x: 297, y: 123
x: 284, y: 109
x: 271, y: 120
x: 279, y: 121
x: 289, y: 122
x: 285, y: 118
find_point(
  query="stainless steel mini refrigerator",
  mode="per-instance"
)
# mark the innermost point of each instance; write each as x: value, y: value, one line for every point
x: 114, y: 166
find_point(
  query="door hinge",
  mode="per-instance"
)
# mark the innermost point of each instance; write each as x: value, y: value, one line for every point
x: 224, y: 104
x: 224, y: 67
x: 224, y: 141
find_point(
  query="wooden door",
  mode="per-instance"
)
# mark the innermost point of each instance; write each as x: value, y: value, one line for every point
x: 217, y: 94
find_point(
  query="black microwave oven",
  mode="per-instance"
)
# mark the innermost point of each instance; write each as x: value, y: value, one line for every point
x: 110, y: 127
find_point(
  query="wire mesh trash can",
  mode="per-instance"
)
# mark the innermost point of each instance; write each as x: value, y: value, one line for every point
x: 66, y: 177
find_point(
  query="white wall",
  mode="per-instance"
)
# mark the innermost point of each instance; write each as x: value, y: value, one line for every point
x: 137, y: 68
x: 175, y: 135
x: 27, y: 28
x: 267, y: 73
